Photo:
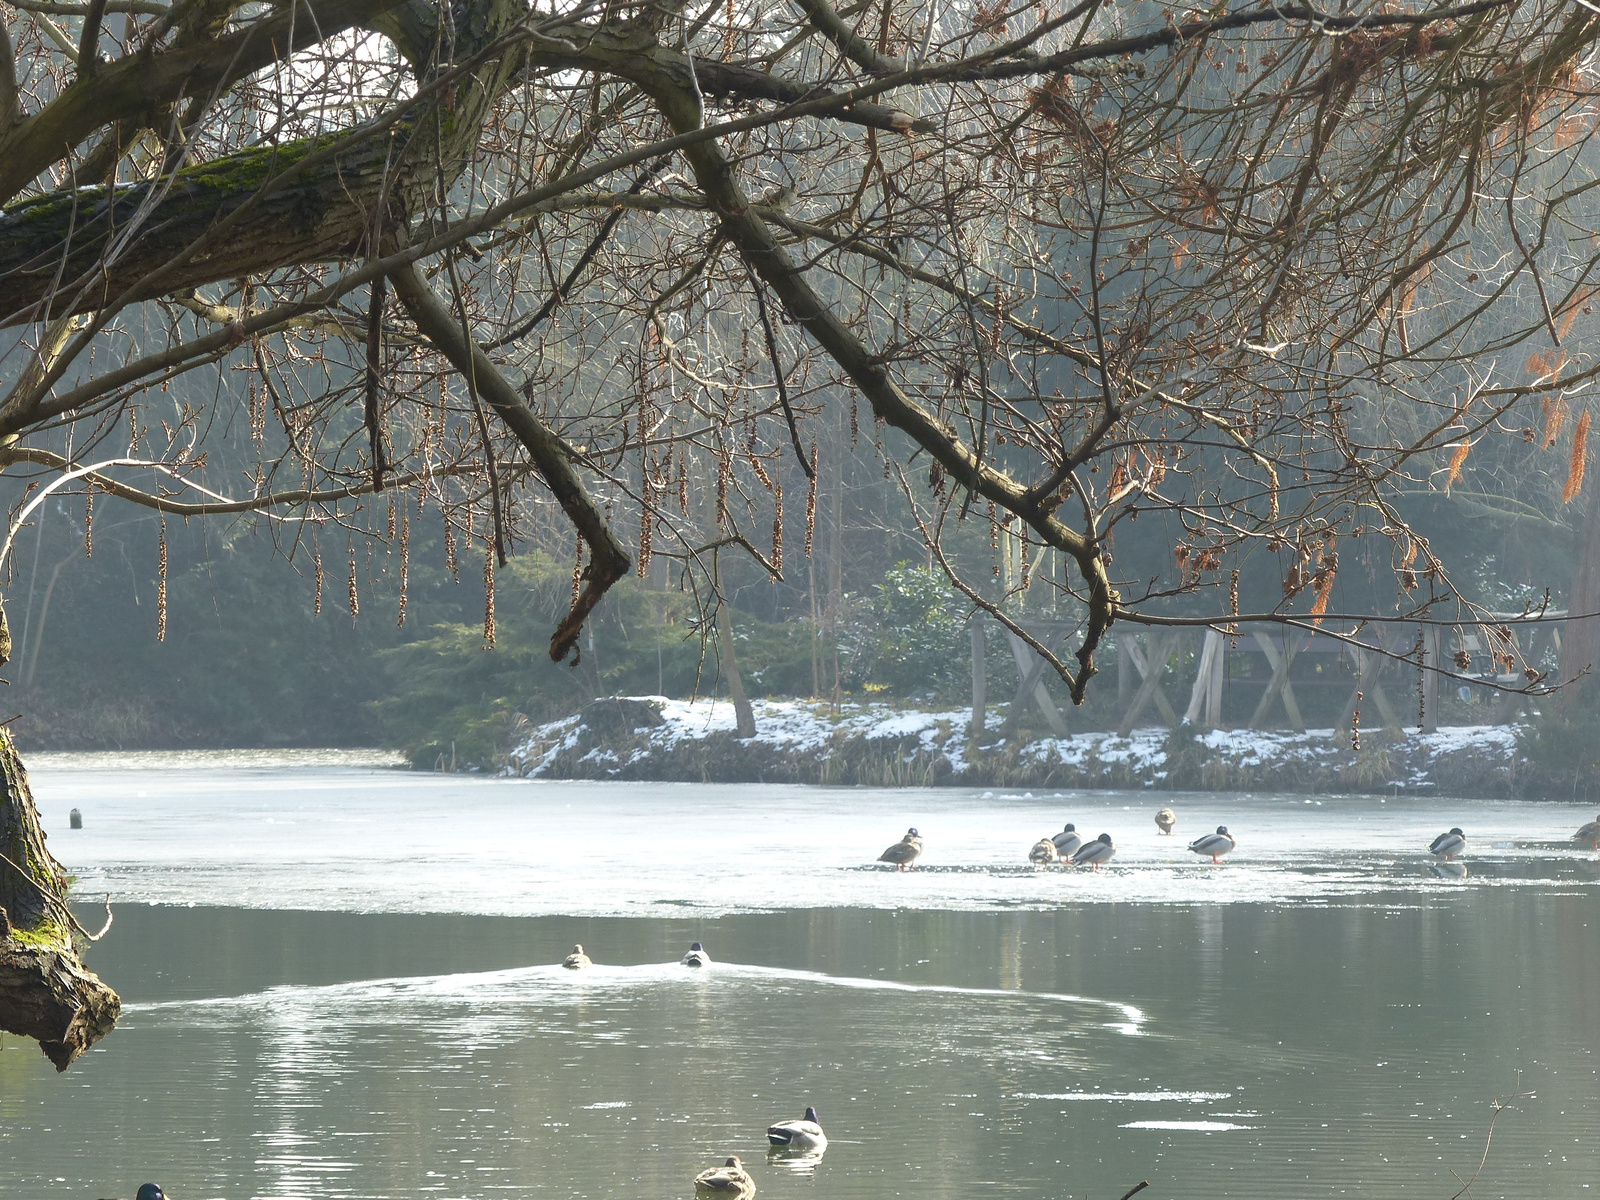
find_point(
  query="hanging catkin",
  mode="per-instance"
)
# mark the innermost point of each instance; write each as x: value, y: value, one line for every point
x: 1232, y: 628
x: 450, y: 549
x: 391, y: 517
x: 855, y: 424
x: 646, y: 524
x: 405, y: 567
x: 161, y: 585
x: 355, y: 598
x: 994, y: 543
x: 488, y: 597
x: 724, y: 470
x: 88, y: 521
x: 316, y: 603
x: 777, y: 531
x: 1575, y: 465
x: 683, y: 482
x: 811, y: 500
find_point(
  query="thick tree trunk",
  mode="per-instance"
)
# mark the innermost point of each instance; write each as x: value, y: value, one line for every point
x: 46, y: 992
x: 744, y: 716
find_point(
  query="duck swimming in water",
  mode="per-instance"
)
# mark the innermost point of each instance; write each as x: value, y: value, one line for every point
x: 1589, y: 833
x: 695, y: 956
x: 804, y: 1134
x: 575, y: 961
x: 1067, y: 841
x: 1043, y: 852
x: 1101, y: 850
x: 1166, y: 820
x: 904, y: 852
x: 730, y: 1179
x: 150, y: 1191
x: 1448, y: 845
x: 1215, y: 844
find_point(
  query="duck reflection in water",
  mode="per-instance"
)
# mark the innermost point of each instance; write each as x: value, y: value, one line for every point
x: 1449, y: 869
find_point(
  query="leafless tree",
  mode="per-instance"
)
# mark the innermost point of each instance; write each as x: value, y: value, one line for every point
x: 1253, y: 271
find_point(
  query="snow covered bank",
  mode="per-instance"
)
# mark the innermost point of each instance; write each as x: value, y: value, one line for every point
x: 654, y: 738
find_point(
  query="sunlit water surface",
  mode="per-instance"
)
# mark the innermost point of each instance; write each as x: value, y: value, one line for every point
x: 364, y: 1004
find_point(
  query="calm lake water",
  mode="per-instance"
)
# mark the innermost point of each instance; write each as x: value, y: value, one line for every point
x: 339, y: 983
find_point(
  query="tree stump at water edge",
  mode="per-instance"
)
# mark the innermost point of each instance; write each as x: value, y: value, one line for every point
x: 46, y: 992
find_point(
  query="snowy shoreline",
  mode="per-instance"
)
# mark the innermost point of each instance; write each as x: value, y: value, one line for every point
x: 799, y: 741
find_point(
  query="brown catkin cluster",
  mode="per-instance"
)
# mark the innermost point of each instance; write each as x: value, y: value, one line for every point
x: 994, y: 542
x: 391, y: 517
x: 88, y: 521
x: 405, y: 567
x: 161, y: 585
x: 646, y: 525
x: 1233, y: 608
x: 488, y: 598
x: 1355, y: 725
x: 258, y: 413
x: 355, y: 598
x: 777, y: 531
x: 811, y: 500
x: 450, y: 549
x: 683, y: 482
x: 316, y: 603
x: 855, y: 423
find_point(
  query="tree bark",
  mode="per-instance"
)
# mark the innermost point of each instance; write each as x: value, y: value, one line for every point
x: 744, y: 716
x: 46, y: 992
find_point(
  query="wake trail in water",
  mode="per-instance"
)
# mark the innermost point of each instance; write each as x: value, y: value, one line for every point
x: 547, y: 983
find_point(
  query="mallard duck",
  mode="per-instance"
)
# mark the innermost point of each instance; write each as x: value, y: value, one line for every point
x: 1067, y: 841
x: 1043, y: 852
x: 904, y: 852
x: 1166, y: 820
x: 1094, y: 853
x: 577, y: 960
x: 1448, y: 845
x: 1215, y: 844
x: 804, y: 1134
x: 1589, y: 833
x: 695, y: 956
x: 730, y: 1178
x: 150, y: 1191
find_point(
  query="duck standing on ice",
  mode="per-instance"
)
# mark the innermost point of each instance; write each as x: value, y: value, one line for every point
x: 1067, y: 842
x: 1166, y: 820
x: 904, y: 852
x: 1589, y: 833
x: 695, y: 956
x: 1101, y: 850
x: 1448, y: 845
x: 1215, y: 844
